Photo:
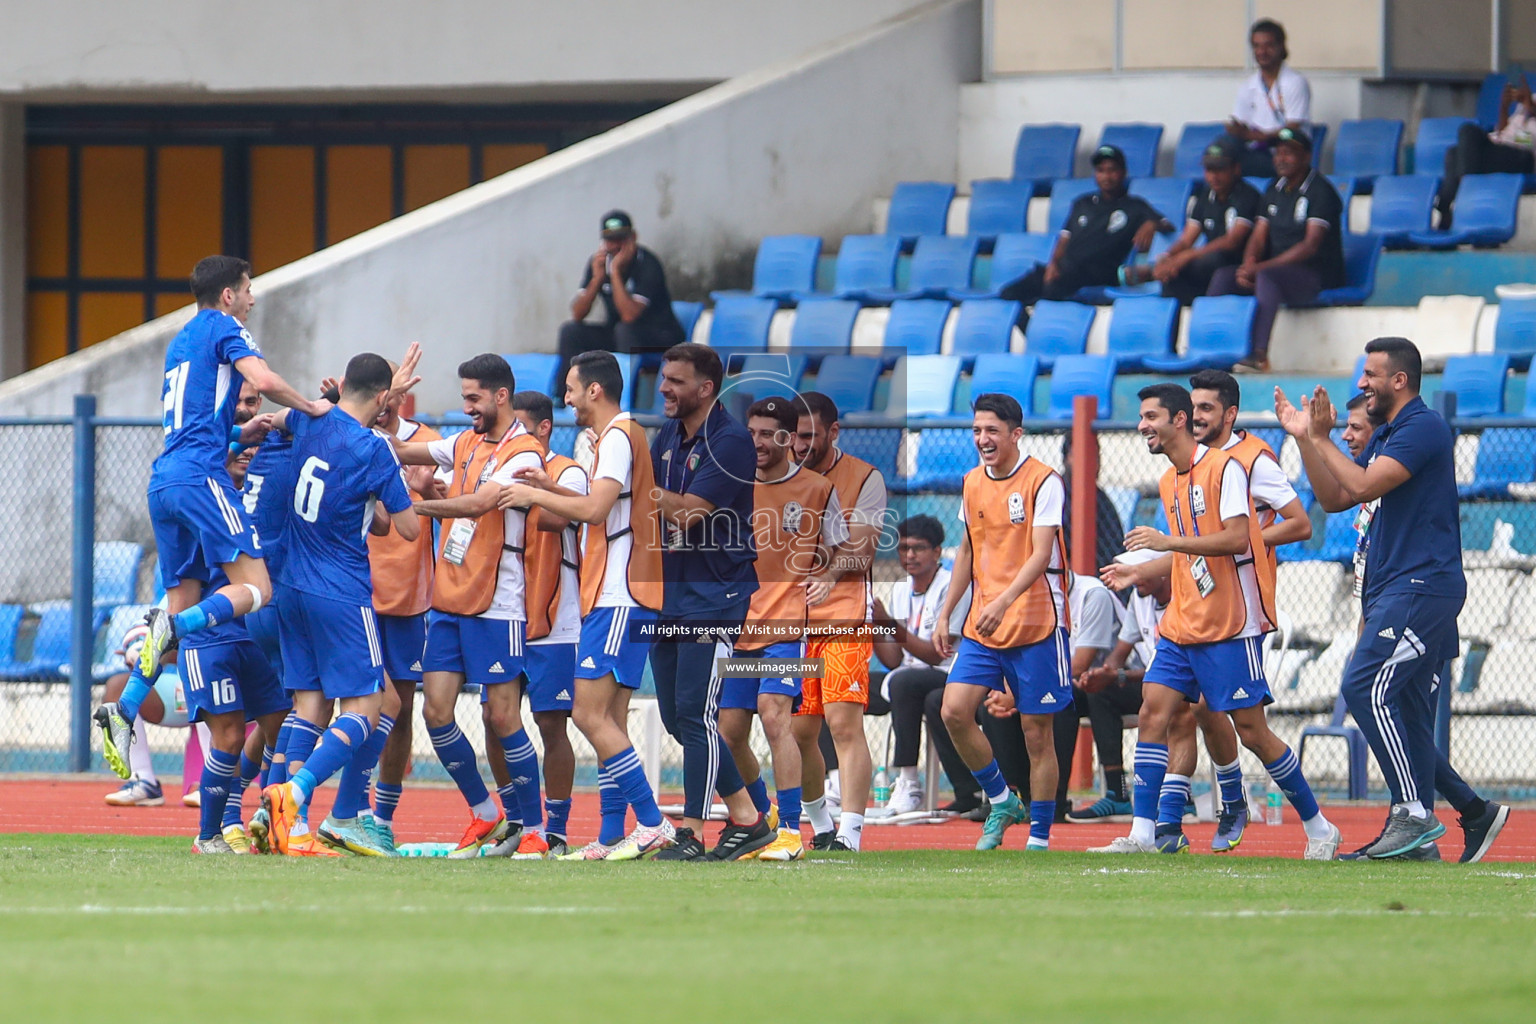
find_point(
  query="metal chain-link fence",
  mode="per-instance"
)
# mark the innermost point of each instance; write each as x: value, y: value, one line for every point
x: 1493, y: 692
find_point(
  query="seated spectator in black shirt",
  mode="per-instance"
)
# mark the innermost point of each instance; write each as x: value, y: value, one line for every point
x: 1294, y: 251
x: 629, y: 280
x: 1507, y: 149
x: 1100, y: 232
x: 1223, y: 214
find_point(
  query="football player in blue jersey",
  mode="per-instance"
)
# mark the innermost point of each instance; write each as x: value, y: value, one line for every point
x: 196, y: 513
x: 330, y: 633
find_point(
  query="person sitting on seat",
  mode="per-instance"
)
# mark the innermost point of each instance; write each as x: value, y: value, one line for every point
x: 1275, y: 97
x: 1506, y: 149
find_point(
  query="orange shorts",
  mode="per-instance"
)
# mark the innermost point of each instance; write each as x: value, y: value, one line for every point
x: 847, y: 678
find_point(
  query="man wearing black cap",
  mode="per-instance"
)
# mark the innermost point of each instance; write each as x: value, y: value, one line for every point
x: 1100, y: 231
x: 1294, y: 251
x: 629, y: 280
x: 1222, y: 213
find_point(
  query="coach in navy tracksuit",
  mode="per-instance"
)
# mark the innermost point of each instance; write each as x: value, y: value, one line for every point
x: 1413, y: 585
x: 706, y: 468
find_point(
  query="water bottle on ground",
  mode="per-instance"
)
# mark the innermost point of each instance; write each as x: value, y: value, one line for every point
x: 882, y: 787
x: 1273, y: 802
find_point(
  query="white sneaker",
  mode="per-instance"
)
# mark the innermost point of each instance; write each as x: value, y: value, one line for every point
x: 137, y: 793
x: 833, y: 791
x: 906, y: 798
x: 1325, y: 849
x: 644, y: 840
x: 1123, y: 844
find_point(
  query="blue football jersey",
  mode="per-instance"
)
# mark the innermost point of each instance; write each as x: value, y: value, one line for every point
x: 223, y: 632
x: 268, y: 497
x: 340, y: 468
x: 199, y: 393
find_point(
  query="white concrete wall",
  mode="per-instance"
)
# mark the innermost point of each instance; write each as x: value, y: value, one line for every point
x: 71, y: 48
x: 796, y: 147
x: 991, y: 113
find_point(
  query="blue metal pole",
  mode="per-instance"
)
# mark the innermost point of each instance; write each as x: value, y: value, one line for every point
x: 82, y: 588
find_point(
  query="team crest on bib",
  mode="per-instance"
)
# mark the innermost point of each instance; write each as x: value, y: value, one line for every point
x: 1117, y: 221
x: 793, y: 512
x: 1301, y: 208
x: 1015, y: 507
x: 490, y: 468
x: 1197, y: 500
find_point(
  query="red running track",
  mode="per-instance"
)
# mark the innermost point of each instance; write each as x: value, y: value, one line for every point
x: 435, y: 813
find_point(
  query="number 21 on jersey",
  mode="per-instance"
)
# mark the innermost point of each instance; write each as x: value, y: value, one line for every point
x: 175, y: 395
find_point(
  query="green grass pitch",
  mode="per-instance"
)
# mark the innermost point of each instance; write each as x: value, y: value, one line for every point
x: 116, y: 929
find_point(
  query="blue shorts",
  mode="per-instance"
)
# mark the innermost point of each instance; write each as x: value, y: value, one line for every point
x: 330, y: 646
x: 484, y: 651
x: 234, y: 676
x: 263, y: 627
x: 1039, y: 674
x: 551, y: 676
x: 1229, y: 674
x: 199, y: 526
x: 404, y: 639
x: 742, y: 691
x: 607, y: 647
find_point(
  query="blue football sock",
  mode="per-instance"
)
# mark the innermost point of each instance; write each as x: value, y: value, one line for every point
x: 233, y: 814
x: 511, y: 807
x: 1172, y: 799
x: 1151, y: 765
x: 789, y: 808
x: 210, y: 611
x: 1286, y: 771
x: 559, y: 812
x: 1041, y: 814
x: 458, y: 759
x: 341, y: 742
x: 386, y: 797
x: 523, y: 768
x: 277, y: 771
x: 613, y: 808
x: 757, y: 789
x: 302, y: 738
x: 134, y: 692
x: 352, y: 791
x: 990, y: 779
x: 1230, y: 778
x: 629, y: 774
x: 265, y: 768
x: 220, y: 770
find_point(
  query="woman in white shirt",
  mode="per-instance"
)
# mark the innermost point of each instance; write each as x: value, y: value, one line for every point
x: 1506, y: 149
x: 1275, y: 97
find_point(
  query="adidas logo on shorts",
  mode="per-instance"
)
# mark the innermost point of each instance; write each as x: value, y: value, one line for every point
x: 1240, y: 693
x: 563, y: 694
x: 1047, y: 699
x: 1388, y: 634
x: 416, y: 666
x: 587, y: 662
x: 496, y: 667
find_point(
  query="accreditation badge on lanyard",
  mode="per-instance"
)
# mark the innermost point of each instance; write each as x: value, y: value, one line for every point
x: 1198, y: 569
x: 456, y: 543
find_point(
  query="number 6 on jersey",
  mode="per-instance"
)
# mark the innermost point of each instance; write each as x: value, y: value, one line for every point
x: 310, y: 489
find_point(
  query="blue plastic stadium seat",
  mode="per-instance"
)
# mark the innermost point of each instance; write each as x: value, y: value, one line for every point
x: 687, y: 314
x: 915, y: 327
x: 944, y: 456
x: 1220, y: 329
x: 823, y: 325
x: 535, y: 371
x: 1436, y: 135
x: 1045, y: 152
x: 1514, y: 335
x: 1486, y: 211
x: 1366, y: 149
x: 998, y: 208
x: 984, y: 325
x: 1401, y: 207
x: 941, y: 263
x: 50, y: 644
x: 741, y: 323
x: 1194, y: 137
x: 865, y: 262
x: 1478, y: 381
x: 1063, y: 194
x: 919, y: 208
x: 1339, y: 538
x: 1139, y: 142
x: 925, y: 384
x: 785, y: 266
x: 1082, y: 375
x: 849, y: 381
x: 1141, y: 327
x: 1345, y: 187
x: 766, y: 375
x: 1013, y: 257
x: 1488, y: 98
x: 1005, y: 373
x: 1362, y: 253
x: 1259, y: 182
x: 1168, y: 196
x: 1319, y: 132
x: 10, y: 626
x: 116, y: 572
x: 1505, y: 455
x: 1057, y: 329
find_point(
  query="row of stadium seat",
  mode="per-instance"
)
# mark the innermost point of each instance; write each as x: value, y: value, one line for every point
x: 1365, y: 150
